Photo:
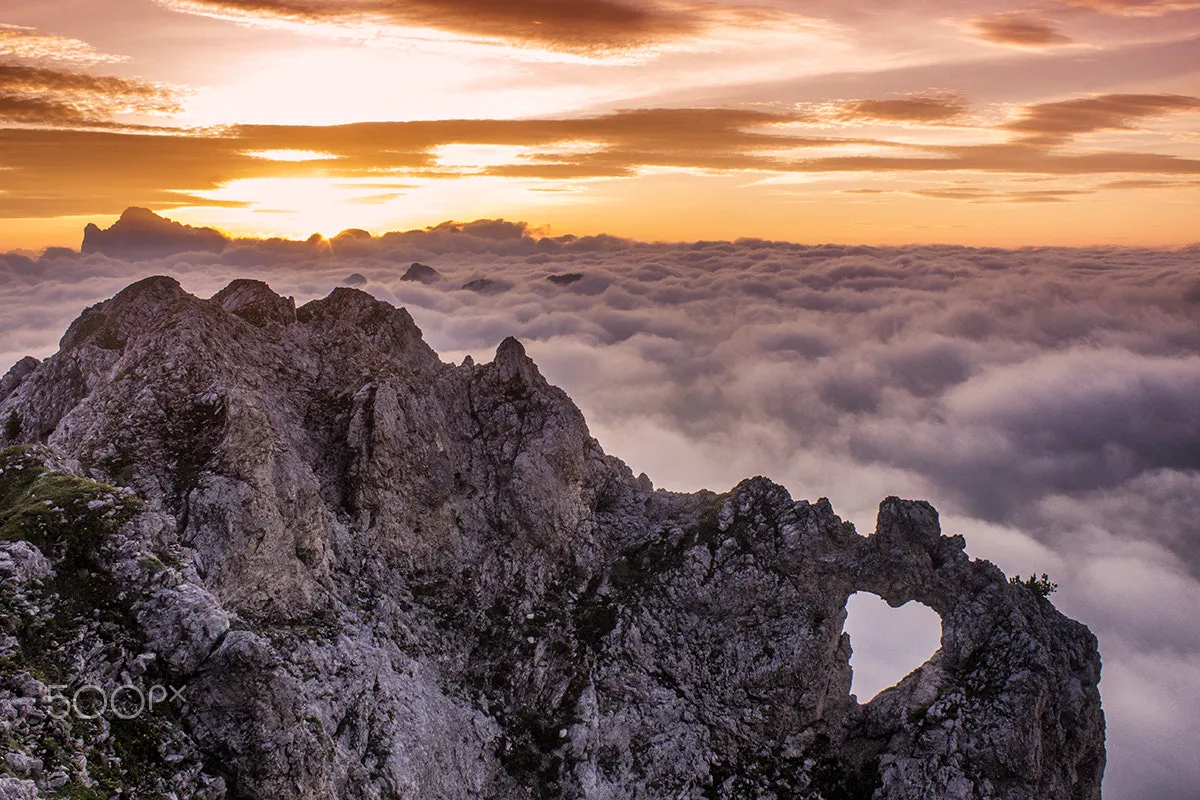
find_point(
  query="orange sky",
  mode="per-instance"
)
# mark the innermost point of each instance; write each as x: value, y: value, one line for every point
x: 972, y: 121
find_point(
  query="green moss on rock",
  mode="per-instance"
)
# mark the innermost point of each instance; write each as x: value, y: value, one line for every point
x: 57, y: 512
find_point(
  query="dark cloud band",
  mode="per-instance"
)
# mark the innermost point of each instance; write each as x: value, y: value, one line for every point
x: 571, y: 25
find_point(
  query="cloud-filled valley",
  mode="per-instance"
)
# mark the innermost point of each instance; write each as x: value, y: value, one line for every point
x: 1044, y: 400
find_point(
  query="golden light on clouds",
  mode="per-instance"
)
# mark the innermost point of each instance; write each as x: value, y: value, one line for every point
x: 291, y: 155
x: 25, y: 43
x: 293, y: 116
x: 473, y: 157
x: 299, y: 207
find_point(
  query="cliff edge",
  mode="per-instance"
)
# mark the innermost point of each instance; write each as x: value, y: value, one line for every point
x: 371, y: 574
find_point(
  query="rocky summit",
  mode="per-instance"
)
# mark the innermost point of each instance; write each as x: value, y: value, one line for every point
x: 354, y: 571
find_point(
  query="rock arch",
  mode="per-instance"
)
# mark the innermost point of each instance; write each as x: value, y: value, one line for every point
x: 888, y: 643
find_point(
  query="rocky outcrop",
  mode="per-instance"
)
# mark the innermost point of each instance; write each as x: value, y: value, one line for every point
x: 254, y: 302
x: 486, y: 286
x: 421, y: 273
x: 380, y: 575
x: 17, y: 373
x: 141, y: 234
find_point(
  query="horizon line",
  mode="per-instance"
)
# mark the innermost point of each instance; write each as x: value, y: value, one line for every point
x: 537, y: 233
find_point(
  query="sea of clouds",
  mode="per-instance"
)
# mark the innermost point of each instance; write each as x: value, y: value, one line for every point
x: 1046, y: 401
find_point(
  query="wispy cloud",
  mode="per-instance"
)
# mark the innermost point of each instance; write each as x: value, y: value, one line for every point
x: 923, y: 108
x: 29, y: 44
x: 60, y: 98
x: 587, y: 26
x: 975, y: 194
x: 1018, y: 30
x: 1134, y: 8
x: 1057, y: 122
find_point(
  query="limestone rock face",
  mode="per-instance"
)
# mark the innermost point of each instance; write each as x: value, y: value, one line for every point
x: 12, y: 379
x: 379, y: 575
x: 254, y: 302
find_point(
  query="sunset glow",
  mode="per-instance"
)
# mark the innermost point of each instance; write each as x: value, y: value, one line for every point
x: 291, y: 155
x: 973, y: 123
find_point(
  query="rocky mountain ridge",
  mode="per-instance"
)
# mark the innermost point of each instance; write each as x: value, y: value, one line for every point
x: 380, y: 575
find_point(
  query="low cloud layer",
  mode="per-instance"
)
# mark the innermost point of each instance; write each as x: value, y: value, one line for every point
x: 1043, y: 399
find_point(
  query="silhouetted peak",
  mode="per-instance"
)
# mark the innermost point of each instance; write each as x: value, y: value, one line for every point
x: 139, y: 234
x: 135, y: 215
x: 486, y: 286
x: 421, y: 273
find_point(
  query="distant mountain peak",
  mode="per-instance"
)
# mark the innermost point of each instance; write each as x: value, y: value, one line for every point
x: 137, y: 214
x: 141, y: 234
x: 422, y: 273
